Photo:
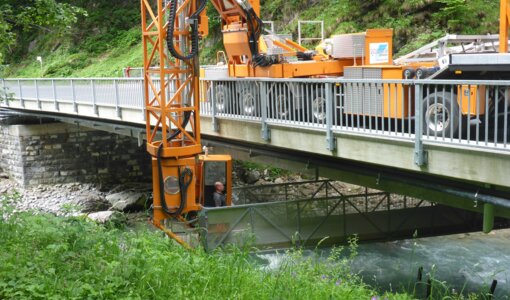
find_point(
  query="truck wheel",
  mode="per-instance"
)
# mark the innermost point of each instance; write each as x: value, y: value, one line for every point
x: 440, y: 115
x: 280, y: 103
x: 249, y: 100
x: 319, y: 105
x: 222, y: 94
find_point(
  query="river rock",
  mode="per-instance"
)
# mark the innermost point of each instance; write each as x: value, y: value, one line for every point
x: 279, y: 180
x: 108, y: 216
x: 90, y: 202
x: 127, y: 201
x: 251, y: 176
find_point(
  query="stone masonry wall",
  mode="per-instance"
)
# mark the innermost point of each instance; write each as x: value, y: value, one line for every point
x: 61, y: 153
x: 10, y: 150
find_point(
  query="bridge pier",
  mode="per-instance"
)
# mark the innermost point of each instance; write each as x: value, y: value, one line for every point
x: 54, y: 153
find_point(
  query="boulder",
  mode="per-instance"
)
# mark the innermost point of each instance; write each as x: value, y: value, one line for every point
x: 108, y: 216
x: 251, y: 176
x: 128, y: 201
x: 279, y: 180
x: 90, y: 202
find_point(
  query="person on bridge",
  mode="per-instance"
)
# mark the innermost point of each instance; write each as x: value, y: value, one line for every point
x: 219, y: 195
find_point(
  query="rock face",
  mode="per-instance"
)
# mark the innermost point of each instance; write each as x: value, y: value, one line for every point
x: 108, y: 216
x: 127, y: 201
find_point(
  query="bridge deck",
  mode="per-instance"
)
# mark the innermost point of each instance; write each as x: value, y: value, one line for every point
x: 480, y: 154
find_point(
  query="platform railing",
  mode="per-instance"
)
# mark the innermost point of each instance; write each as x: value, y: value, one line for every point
x: 450, y: 113
x: 305, y: 219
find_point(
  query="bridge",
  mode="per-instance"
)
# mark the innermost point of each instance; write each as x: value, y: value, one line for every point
x: 317, y: 124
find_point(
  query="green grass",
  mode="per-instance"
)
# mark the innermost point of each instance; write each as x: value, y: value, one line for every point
x: 47, y: 257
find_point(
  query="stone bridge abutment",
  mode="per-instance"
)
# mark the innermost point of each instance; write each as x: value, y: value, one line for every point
x: 53, y: 153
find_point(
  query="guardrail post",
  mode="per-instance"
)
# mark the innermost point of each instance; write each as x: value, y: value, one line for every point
x: 73, y: 92
x: 94, y: 106
x: 37, y: 94
x: 21, y: 102
x: 6, y: 99
x: 213, y: 107
x: 117, y: 100
x: 142, y: 103
x: 266, y: 134
x: 330, y: 108
x: 420, y: 156
x: 54, y: 94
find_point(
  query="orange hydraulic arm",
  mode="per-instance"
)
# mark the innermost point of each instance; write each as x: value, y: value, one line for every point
x: 242, y: 29
x: 504, y: 25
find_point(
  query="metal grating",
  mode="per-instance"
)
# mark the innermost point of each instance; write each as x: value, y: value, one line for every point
x: 373, y: 98
x: 353, y: 92
x: 348, y: 46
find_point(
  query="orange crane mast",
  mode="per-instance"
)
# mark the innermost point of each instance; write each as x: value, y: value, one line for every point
x: 504, y: 24
x: 171, y: 92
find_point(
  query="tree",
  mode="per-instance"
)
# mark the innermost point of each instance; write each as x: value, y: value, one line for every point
x: 19, y: 17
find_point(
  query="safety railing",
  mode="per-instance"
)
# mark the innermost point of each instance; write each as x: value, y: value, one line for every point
x: 461, y: 113
x: 466, y: 112
x: 283, y: 192
x: 321, y: 189
x: 451, y: 113
x: 307, y: 220
x: 84, y: 96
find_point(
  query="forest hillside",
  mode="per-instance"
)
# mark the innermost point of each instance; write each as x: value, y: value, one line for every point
x: 100, y: 38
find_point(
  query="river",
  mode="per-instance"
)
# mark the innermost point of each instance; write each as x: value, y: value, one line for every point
x: 467, y: 262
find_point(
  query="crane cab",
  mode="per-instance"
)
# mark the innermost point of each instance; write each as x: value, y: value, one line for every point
x: 212, y: 169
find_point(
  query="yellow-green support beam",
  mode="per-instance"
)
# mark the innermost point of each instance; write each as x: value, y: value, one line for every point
x: 488, y: 217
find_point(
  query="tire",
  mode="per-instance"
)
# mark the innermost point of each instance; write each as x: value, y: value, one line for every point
x: 440, y: 115
x: 222, y: 94
x: 249, y: 101
x: 280, y: 103
x: 318, y: 106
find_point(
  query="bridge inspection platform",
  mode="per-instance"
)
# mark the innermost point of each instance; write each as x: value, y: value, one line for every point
x: 341, y: 129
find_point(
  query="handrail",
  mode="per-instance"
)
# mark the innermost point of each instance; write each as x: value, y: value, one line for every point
x: 331, y: 105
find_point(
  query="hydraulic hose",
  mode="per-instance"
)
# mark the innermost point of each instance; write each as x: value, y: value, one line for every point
x: 185, y: 177
x: 194, y: 31
x: 255, y: 25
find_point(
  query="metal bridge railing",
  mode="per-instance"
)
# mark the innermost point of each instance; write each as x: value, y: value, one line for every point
x: 84, y: 96
x: 453, y: 113
x: 450, y: 113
